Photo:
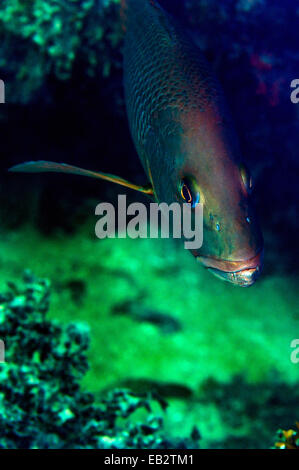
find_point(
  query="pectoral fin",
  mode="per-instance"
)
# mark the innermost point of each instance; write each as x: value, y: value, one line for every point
x: 45, y: 166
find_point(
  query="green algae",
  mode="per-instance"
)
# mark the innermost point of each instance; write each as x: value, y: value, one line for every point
x: 41, y: 39
x: 225, y: 331
x: 225, y: 365
x: 42, y: 405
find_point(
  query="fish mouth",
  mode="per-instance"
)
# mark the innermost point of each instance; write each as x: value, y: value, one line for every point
x: 241, y: 273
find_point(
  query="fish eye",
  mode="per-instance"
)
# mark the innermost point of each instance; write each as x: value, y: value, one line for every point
x: 189, y: 193
x: 246, y: 178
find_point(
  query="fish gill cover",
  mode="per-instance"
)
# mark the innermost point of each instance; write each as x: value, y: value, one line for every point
x: 219, y: 357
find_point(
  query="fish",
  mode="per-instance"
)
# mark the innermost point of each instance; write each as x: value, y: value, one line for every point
x: 185, y: 138
x: 139, y: 312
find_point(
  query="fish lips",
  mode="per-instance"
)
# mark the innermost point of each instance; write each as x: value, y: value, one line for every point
x: 242, y: 273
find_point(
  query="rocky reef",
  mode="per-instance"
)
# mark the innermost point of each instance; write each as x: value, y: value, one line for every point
x: 42, y: 405
x: 44, y: 39
x: 288, y: 439
x: 218, y: 356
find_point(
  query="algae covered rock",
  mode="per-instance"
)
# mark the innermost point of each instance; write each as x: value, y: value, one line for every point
x: 41, y: 39
x: 41, y: 402
x: 288, y: 439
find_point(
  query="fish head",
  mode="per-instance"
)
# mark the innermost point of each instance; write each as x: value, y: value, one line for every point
x: 208, y: 169
x: 232, y: 240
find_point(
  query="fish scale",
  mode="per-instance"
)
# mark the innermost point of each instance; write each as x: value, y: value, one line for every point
x: 162, y: 69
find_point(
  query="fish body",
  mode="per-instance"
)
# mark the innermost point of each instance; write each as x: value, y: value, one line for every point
x: 182, y: 129
x: 184, y: 136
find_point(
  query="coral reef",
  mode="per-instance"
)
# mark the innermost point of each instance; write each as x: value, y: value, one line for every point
x: 44, y: 38
x: 257, y: 408
x: 41, y: 402
x: 220, y: 357
x: 288, y: 439
x: 229, y: 374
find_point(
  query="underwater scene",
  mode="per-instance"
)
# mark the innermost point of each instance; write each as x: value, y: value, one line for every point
x: 116, y: 333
